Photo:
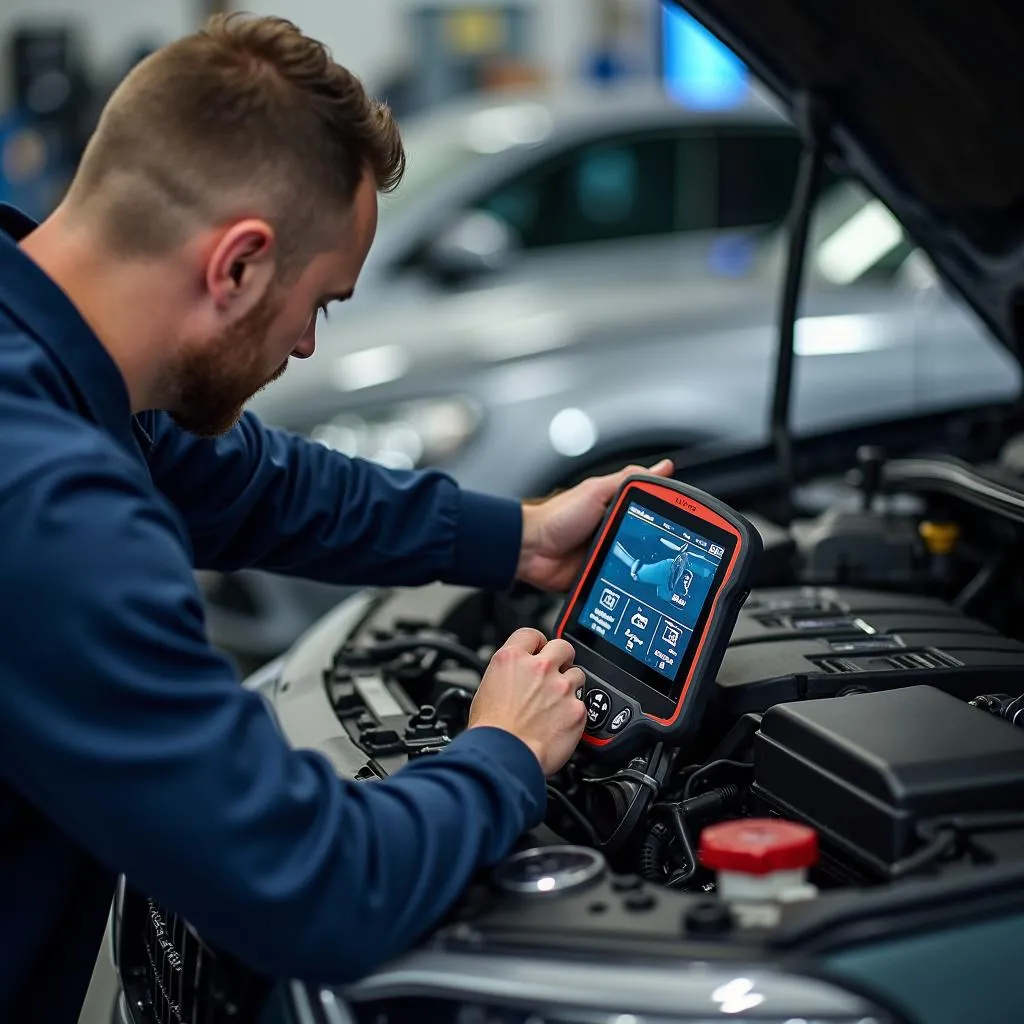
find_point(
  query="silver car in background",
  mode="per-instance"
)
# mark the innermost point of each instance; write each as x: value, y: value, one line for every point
x: 564, y: 281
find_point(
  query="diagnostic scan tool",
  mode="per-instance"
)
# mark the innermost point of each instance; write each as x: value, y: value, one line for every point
x: 653, y: 610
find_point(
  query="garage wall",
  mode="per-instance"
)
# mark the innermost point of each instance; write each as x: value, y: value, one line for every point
x: 109, y: 28
x: 367, y: 35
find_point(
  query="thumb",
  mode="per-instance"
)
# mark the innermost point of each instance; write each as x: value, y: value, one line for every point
x: 606, y: 486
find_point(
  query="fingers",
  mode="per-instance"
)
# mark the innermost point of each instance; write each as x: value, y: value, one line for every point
x: 575, y: 677
x: 664, y: 468
x: 532, y: 641
x: 560, y: 653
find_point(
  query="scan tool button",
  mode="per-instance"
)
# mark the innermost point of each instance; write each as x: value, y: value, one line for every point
x: 598, y: 708
x: 620, y: 720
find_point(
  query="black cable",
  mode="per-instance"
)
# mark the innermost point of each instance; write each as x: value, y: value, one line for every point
x: 654, y: 852
x: 713, y: 800
x: 939, y: 846
x: 703, y: 770
x: 566, y: 804
x: 943, y: 835
x: 390, y: 648
x: 683, y: 835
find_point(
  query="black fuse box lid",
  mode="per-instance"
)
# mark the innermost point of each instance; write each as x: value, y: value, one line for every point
x: 868, y: 768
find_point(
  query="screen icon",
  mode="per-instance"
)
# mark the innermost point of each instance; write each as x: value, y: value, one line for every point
x: 716, y: 550
x: 609, y: 599
x: 640, y: 620
x: 670, y: 636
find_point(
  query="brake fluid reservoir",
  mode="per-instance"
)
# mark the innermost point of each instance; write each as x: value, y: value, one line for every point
x: 760, y: 858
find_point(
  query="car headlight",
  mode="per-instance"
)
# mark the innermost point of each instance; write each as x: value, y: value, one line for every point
x: 429, y: 432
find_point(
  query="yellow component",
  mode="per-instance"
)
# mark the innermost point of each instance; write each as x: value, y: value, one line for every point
x: 940, y: 538
x: 475, y: 31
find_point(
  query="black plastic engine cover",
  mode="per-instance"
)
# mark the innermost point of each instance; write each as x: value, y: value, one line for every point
x: 866, y: 769
x: 794, y: 644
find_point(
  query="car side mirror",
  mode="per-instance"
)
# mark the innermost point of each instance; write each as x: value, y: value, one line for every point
x: 477, y: 244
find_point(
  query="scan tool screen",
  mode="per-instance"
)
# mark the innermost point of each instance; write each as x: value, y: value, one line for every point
x: 651, y: 591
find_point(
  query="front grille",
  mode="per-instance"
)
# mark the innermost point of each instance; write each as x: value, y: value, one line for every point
x: 171, y: 976
x: 174, y: 962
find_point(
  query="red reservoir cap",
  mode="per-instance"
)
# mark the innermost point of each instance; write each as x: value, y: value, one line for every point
x: 758, y: 846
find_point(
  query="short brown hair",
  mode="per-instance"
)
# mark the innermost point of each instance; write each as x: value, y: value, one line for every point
x: 246, y: 116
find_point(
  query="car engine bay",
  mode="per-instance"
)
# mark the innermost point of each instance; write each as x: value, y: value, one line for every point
x: 872, y: 690
x: 869, y: 691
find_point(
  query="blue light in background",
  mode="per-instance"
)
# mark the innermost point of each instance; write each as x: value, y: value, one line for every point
x: 699, y: 70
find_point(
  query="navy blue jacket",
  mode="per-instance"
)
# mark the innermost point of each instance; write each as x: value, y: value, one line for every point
x: 126, y: 742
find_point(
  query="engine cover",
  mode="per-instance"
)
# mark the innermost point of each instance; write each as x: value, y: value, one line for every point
x: 794, y: 644
x: 868, y: 769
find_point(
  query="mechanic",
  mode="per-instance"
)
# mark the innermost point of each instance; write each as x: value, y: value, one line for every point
x: 228, y: 192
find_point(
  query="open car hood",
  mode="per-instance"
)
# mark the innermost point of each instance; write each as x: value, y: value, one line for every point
x: 924, y: 105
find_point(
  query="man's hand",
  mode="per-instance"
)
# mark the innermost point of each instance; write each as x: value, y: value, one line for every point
x: 529, y: 690
x: 557, y: 532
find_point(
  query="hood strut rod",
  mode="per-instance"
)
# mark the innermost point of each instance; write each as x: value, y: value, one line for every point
x: 810, y: 117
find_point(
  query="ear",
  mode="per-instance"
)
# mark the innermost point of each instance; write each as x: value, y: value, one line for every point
x: 241, y: 266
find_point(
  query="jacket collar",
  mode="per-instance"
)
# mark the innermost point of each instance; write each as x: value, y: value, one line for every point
x: 39, y: 306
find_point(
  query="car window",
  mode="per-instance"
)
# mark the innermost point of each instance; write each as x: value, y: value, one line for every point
x: 635, y: 187
x: 609, y: 190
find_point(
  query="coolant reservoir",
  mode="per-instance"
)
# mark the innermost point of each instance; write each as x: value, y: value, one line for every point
x: 760, y: 858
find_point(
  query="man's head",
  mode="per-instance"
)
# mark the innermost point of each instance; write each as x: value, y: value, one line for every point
x: 243, y: 160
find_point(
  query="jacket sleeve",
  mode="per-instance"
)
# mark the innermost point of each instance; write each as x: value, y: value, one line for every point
x: 268, y: 499
x: 124, y: 728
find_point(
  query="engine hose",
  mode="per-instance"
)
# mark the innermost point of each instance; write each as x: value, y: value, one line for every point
x: 654, y: 852
x: 390, y: 648
x: 452, y: 693
x: 637, y: 800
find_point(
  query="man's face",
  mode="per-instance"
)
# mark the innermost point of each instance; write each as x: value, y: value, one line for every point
x: 217, y: 376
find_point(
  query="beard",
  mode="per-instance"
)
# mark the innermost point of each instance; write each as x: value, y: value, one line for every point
x: 214, y: 383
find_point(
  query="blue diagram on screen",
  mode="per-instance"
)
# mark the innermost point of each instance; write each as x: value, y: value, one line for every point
x: 651, y: 588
